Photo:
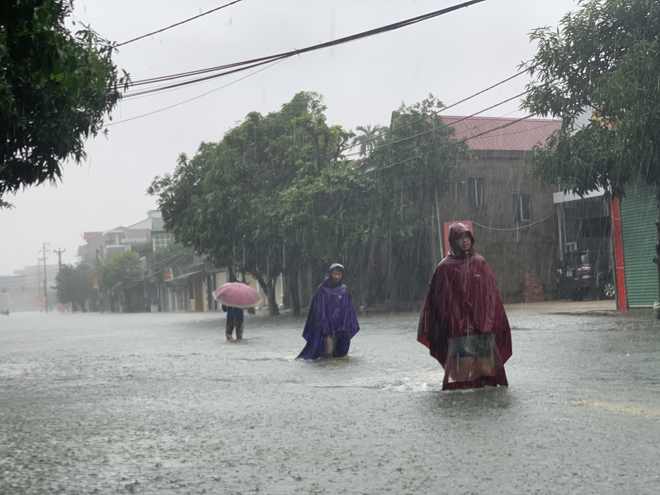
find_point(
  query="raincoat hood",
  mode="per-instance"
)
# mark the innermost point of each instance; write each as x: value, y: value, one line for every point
x: 455, y: 231
x: 328, y: 282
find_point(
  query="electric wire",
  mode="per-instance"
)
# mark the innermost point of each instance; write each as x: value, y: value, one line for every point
x: 165, y: 88
x: 194, y: 98
x: 441, y: 127
x: 246, y: 64
x: 175, y: 258
x: 151, y: 272
x: 443, y: 109
x: 160, y: 89
x: 168, y: 260
x: 455, y: 143
x: 517, y: 228
x: 178, y: 23
x: 477, y: 127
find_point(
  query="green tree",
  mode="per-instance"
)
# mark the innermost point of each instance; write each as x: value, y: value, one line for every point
x: 116, y: 270
x: 380, y: 209
x: 223, y: 201
x: 411, y: 169
x: 74, y: 284
x: 368, y: 138
x: 55, y: 89
x: 277, y: 194
x: 604, y: 61
x: 174, y: 256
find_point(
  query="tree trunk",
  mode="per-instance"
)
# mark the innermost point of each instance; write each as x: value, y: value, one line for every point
x: 370, y: 293
x: 291, y: 272
x: 269, y: 289
x: 656, y: 260
x: 273, y: 309
x: 292, y: 279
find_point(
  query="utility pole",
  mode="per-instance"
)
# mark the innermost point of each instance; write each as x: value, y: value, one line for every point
x: 39, y: 276
x: 45, y: 277
x: 59, y: 256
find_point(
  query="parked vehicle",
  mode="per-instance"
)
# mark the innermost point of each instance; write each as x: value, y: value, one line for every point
x: 584, y: 273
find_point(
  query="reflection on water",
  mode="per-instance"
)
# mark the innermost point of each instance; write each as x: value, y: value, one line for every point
x: 629, y: 409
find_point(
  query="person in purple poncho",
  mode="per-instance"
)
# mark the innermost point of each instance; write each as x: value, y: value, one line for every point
x: 331, y: 321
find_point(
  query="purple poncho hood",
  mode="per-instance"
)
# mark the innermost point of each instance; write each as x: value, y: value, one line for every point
x: 331, y: 313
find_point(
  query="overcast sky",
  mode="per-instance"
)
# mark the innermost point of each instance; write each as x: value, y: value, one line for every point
x: 452, y: 56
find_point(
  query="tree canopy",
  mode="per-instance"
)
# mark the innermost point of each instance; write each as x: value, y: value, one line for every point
x: 118, y: 268
x: 603, y: 61
x: 56, y: 88
x: 367, y: 140
x: 222, y: 202
x: 278, y: 194
x: 74, y: 284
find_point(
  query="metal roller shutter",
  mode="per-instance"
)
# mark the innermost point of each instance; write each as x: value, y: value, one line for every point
x: 638, y: 213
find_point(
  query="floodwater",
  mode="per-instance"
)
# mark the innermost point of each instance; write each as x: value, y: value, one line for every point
x: 163, y: 404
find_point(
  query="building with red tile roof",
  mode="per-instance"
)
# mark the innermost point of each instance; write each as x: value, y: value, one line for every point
x: 512, y: 214
x: 502, y: 134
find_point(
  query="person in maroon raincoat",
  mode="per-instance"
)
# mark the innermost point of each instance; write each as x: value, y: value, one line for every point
x: 463, y: 321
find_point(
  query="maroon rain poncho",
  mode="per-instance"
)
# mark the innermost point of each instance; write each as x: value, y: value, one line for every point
x: 463, y: 321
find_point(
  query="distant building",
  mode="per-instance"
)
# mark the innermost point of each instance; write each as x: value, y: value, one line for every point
x: 120, y: 239
x: 24, y: 290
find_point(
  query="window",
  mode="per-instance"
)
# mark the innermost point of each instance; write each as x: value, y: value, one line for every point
x: 522, y: 208
x: 162, y: 240
x: 476, y: 196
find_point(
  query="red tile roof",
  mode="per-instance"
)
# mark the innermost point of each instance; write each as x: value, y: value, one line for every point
x: 518, y: 136
x: 91, y: 235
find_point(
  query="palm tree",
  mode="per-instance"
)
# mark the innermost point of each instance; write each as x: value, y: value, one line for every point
x: 368, y: 139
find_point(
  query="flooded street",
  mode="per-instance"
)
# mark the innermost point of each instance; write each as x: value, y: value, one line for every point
x: 163, y: 404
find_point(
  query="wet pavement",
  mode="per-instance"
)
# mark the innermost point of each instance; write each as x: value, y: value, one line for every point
x: 162, y: 404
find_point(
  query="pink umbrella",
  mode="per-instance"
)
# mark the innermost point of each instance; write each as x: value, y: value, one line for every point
x: 238, y: 295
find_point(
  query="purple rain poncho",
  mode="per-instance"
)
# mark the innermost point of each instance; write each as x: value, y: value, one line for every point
x: 331, y: 314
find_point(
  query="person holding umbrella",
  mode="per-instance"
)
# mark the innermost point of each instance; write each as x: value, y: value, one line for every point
x: 331, y: 321
x: 235, y: 297
x: 235, y: 319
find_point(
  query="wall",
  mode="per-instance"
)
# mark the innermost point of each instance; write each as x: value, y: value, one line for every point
x: 510, y: 252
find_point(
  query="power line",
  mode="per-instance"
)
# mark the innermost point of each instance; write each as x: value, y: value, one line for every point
x: 515, y: 229
x: 194, y: 98
x: 454, y: 123
x: 438, y: 128
x: 178, y: 23
x: 171, y: 260
x: 153, y: 272
x: 442, y: 110
x: 239, y: 66
x: 452, y: 144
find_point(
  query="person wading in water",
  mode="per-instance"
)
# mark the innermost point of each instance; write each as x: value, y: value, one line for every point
x: 463, y: 322
x: 331, y: 321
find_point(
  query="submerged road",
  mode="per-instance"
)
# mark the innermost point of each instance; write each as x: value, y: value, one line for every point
x: 162, y: 404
